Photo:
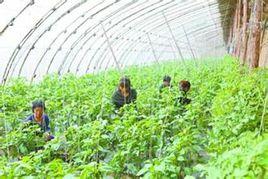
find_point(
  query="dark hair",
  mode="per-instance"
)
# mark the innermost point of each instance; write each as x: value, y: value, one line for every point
x: 167, y: 78
x: 125, y: 82
x: 38, y: 104
x: 184, y: 85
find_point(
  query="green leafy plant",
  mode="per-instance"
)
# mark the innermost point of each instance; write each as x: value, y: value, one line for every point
x: 220, y: 134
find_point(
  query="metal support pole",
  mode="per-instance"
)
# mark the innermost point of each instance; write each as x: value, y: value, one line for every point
x: 173, y: 51
x: 189, y: 44
x: 110, y: 47
x: 173, y: 37
x: 150, y: 41
x: 161, y: 53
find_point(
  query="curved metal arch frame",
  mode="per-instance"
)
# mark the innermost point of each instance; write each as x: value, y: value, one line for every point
x: 58, y: 35
x: 186, y: 23
x: 81, y: 37
x: 72, y: 47
x: 77, y: 5
x: 105, y: 51
x: 28, y: 35
x: 79, y: 63
x: 132, y: 29
x: 117, y: 36
x: 102, y: 34
x: 165, y: 37
x: 149, y: 46
x: 86, y: 52
x: 56, y: 39
x: 11, y: 22
x: 206, y: 29
x: 48, y: 29
x: 104, y: 41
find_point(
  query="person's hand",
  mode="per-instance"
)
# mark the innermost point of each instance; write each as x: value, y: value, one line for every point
x: 46, y: 135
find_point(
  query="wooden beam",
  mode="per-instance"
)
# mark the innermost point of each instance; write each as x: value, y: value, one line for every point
x: 255, y: 35
x: 243, y: 51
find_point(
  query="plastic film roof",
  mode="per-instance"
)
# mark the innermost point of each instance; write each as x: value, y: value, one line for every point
x: 40, y: 37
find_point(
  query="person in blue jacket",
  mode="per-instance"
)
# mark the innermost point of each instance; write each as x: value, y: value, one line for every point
x: 40, y: 118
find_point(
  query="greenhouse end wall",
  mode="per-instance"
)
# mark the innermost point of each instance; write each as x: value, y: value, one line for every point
x: 246, y: 36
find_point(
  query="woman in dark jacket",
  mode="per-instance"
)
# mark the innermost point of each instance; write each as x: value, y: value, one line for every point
x: 124, y: 93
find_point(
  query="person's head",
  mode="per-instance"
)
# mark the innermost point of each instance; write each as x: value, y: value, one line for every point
x: 184, y: 86
x: 124, y: 85
x: 38, y: 108
x: 166, y: 80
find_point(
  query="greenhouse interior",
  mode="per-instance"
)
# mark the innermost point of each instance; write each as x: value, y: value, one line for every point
x: 134, y: 89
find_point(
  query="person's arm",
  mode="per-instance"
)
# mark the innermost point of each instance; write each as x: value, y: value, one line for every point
x: 47, y: 133
x: 161, y: 88
x: 28, y: 119
x: 47, y: 128
x: 134, y: 95
x: 27, y: 122
x: 116, y: 100
x: 113, y: 99
x: 177, y: 101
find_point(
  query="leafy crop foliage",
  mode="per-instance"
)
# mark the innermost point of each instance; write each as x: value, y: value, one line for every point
x: 221, y: 134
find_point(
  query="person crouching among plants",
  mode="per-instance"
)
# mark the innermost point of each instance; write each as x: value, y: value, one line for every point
x: 184, y: 87
x: 124, y: 93
x: 166, y: 83
x: 40, y: 118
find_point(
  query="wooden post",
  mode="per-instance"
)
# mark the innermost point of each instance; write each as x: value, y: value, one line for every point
x: 230, y: 40
x: 238, y: 29
x: 255, y: 35
x: 243, y: 50
x: 234, y: 39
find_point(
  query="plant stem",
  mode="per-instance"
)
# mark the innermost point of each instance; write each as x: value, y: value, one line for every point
x: 262, y: 127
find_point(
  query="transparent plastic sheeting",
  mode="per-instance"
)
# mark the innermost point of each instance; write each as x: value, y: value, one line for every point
x: 40, y: 37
